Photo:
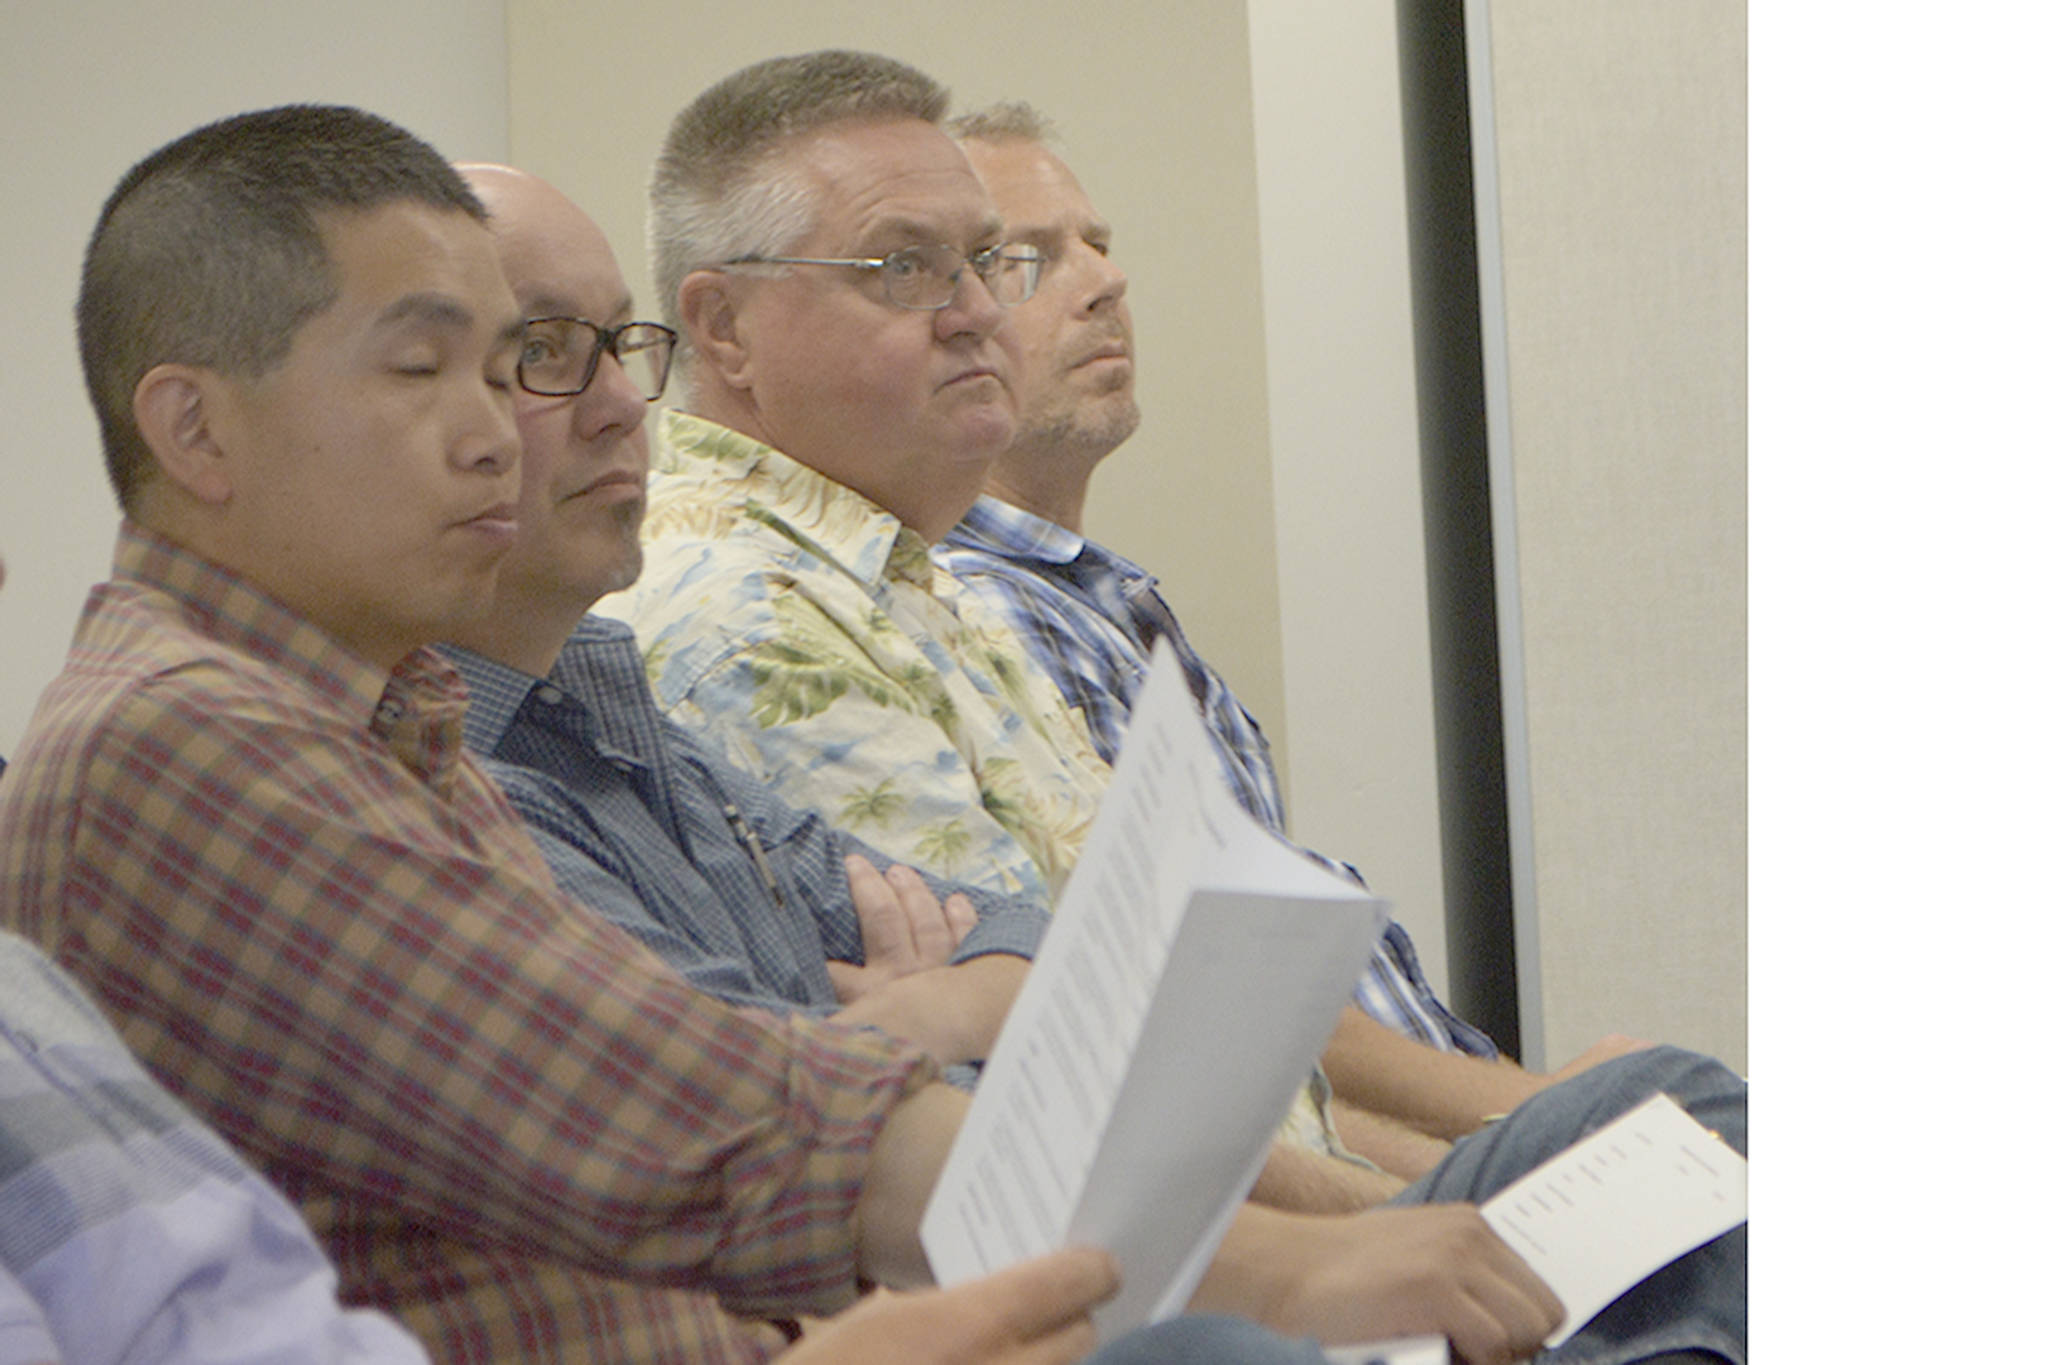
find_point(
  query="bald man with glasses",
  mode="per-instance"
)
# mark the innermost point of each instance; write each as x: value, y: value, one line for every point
x: 639, y: 818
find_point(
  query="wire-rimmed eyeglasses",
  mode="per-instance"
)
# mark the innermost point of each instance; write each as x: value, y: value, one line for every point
x: 927, y: 276
x: 558, y: 356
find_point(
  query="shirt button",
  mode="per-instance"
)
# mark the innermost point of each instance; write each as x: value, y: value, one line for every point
x: 549, y: 694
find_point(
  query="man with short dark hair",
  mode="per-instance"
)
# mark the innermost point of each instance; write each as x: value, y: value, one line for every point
x: 640, y: 818
x: 242, y: 815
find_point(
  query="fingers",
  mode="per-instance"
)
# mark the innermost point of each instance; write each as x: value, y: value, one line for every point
x: 1034, y: 1313
x: 960, y: 917
x: 1505, y: 1310
x: 1040, y: 1296
x: 930, y: 929
x: 1503, y: 1317
x: 888, y: 940
x: 1071, y: 1343
x: 903, y: 928
x: 1432, y: 1269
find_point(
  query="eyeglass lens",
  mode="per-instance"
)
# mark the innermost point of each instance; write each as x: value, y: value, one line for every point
x: 929, y: 276
x: 560, y: 355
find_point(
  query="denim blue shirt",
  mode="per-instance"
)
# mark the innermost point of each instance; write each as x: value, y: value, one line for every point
x: 650, y: 826
x: 1090, y: 617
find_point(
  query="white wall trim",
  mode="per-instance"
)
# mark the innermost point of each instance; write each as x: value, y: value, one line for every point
x: 1507, y: 577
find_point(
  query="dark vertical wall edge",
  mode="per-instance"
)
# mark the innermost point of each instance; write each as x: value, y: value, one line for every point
x: 1458, y: 523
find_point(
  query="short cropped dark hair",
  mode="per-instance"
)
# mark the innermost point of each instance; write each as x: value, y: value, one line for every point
x: 717, y: 191
x: 208, y: 252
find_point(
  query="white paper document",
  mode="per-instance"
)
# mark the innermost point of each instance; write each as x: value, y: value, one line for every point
x: 1619, y: 1204
x: 1191, y: 975
x: 1596, y: 1219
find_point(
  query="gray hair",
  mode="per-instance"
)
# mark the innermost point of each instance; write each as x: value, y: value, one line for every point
x: 1008, y: 121
x: 208, y: 252
x: 721, y: 188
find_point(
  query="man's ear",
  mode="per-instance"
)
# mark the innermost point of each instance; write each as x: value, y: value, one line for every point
x: 708, y: 305
x: 176, y: 409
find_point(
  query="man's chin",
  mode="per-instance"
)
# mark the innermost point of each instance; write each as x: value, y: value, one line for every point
x: 1099, y: 426
x: 985, y: 433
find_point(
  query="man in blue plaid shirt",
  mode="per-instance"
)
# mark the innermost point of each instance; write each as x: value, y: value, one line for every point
x: 1091, y: 617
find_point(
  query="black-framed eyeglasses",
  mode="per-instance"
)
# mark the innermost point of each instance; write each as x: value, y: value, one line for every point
x: 558, y: 356
x: 927, y: 276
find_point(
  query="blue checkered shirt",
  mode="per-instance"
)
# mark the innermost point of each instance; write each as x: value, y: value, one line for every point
x: 648, y: 825
x: 1090, y: 618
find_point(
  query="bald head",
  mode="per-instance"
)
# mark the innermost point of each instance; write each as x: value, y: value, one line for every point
x: 584, y: 484
x: 552, y: 252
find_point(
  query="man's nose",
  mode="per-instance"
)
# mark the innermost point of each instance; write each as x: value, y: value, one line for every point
x: 614, y: 398
x: 973, y: 309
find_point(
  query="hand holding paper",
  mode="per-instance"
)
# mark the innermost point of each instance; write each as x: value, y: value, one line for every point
x: 1192, y: 972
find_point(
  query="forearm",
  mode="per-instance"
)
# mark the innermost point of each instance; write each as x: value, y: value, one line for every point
x: 953, y: 1013
x: 1442, y: 1094
x: 1256, y: 1267
x: 903, y: 1165
x: 1393, y: 1146
x: 1297, y: 1179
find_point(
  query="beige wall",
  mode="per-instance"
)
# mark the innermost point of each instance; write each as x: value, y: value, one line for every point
x: 1621, y: 135
x: 1340, y: 367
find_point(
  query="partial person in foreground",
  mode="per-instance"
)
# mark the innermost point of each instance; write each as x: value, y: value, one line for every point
x: 1090, y: 618
x: 129, y: 1232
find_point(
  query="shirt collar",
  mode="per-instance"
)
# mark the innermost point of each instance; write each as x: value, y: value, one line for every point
x: 1006, y: 529
x: 826, y: 517
x: 416, y: 708
x: 993, y: 526
x: 236, y: 612
x: 599, y: 664
x: 496, y: 692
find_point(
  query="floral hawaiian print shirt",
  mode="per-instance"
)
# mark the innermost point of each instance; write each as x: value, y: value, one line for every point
x: 811, y: 631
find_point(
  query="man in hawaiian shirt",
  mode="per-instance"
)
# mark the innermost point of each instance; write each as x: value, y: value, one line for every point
x: 842, y: 289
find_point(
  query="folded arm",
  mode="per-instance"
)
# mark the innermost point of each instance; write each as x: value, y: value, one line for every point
x: 1441, y: 1094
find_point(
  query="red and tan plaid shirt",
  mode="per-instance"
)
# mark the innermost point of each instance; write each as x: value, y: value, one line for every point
x: 308, y: 911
